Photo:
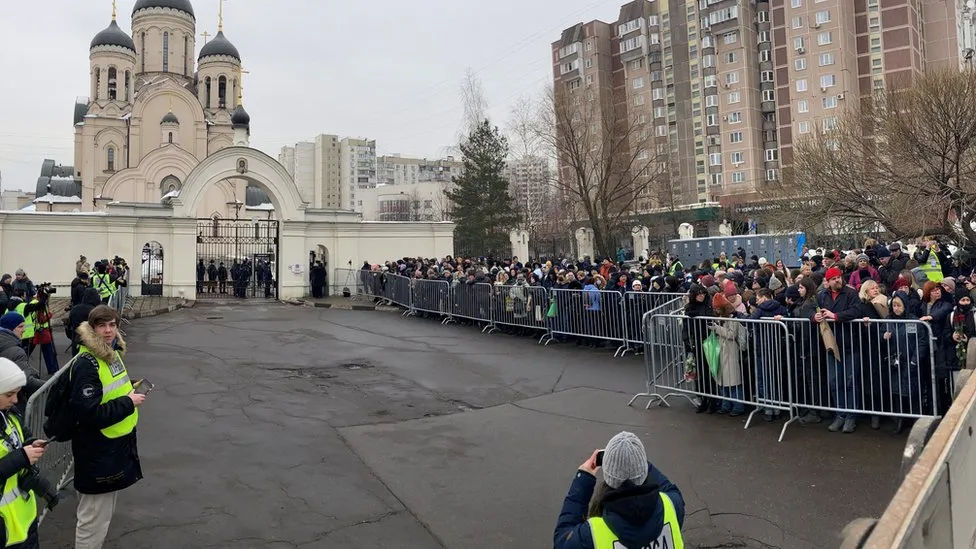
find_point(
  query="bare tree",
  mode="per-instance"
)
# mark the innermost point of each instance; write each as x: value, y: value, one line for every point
x: 609, y: 163
x: 903, y: 162
x: 474, y: 103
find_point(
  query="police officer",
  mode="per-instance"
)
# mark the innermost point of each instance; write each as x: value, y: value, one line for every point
x: 18, y: 505
x: 635, y: 506
x: 106, y: 406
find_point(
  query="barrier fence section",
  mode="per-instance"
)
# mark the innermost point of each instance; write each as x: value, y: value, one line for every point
x: 521, y: 307
x: 595, y: 316
x: 472, y: 302
x: 638, y: 304
x: 722, y: 363
x: 351, y: 280
x: 431, y: 296
x: 794, y: 366
x: 57, y: 462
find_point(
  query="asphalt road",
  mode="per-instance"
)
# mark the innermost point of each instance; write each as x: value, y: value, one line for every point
x: 275, y: 426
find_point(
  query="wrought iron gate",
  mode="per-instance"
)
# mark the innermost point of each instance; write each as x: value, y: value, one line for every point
x: 152, y: 269
x: 237, y: 258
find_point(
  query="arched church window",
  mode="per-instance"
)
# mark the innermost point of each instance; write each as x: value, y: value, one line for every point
x: 113, y: 83
x: 170, y: 137
x: 142, y: 54
x: 128, y: 86
x: 222, y: 92
x: 165, y: 52
x: 169, y: 184
x: 98, y: 82
x: 110, y: 159
x: 216, y: 225
x: 186, y: 56
x: 207, y: 100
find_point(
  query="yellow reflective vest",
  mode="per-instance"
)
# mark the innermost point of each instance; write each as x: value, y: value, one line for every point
x: 28, y: 321
x: 18, y: 509
x: 103, y: 283
x: 933, y: 267
x: 115, y: 384
x: 670, y: 538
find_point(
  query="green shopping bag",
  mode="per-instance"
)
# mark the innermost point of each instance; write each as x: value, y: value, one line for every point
x: 551, y: 313
x: 713, y: 349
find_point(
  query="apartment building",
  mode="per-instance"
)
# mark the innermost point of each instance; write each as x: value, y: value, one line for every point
x: 421, y: 201
x: 358, y: 170
x: 401, y: 170
x: 728, y: 86
x: 315, y: 167
x: 530, y: 184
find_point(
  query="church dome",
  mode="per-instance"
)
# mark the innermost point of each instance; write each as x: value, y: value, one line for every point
x: 240, y: 117
x: 179, y: 5
x: 170, y: 118
x: 220, y: 45
x: 113, y: 35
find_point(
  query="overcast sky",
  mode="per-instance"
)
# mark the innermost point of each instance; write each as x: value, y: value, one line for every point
x: 389, y: 70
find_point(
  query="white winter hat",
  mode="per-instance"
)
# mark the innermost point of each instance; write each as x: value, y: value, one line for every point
x: 624, y: 459
x: 12, y: 378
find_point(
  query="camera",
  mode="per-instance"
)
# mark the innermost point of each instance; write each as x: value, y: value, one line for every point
x: 42, y: 487
x: 47, y: 288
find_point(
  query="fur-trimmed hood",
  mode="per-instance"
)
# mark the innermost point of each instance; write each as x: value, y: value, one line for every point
x: 101, y: 350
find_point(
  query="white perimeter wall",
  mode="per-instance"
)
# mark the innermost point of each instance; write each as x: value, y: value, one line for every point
x: 47, y: 246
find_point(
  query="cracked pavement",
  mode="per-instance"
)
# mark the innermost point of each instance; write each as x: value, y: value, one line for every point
x: 274, y: 426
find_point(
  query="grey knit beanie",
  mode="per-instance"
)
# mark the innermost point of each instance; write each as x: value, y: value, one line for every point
x: 624, y: 459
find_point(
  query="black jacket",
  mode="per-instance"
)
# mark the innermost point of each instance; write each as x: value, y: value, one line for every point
x: 11, y: 349
x: 77, y: 291
x: 102, y: 464
x: 16, y: 463
x: 846, y: 305
x: 79, y: 313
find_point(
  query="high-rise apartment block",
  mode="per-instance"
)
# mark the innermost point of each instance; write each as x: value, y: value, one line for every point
x: 401, y: 170
x: 726, y: 87
x: 530, y: 184
x: 315, y: 167
x: 358, y: 162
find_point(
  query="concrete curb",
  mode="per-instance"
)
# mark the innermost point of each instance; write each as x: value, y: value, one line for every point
x: 322, y: 305
x: 163, y: 310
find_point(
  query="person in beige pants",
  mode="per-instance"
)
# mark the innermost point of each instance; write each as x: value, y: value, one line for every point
x: 105, y: 404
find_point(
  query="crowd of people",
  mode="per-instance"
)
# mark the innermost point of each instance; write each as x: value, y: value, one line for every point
x: 213, y: 278
x: 882, y: 367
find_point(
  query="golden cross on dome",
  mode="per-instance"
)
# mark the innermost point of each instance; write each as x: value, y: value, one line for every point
x: 113, y: 10
x: 240, y: 87
x: 220, y: 16
x: 205, y: 35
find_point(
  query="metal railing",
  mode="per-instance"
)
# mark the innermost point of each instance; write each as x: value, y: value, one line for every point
x: 57, y: 463
x: 794, y: 366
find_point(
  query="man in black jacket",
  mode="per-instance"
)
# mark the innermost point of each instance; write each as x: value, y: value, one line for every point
x: 839, y: 304
x: 79, y: 314
x: 104, y: 446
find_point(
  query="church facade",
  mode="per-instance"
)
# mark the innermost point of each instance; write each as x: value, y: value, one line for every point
x: 155, y: 110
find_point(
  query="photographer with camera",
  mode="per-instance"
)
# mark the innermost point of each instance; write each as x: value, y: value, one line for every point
x: 18, y: 455
x: 37, y: 327
x: 635, y: 505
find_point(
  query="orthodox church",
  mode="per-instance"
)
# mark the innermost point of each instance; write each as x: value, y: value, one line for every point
x: 155, y: 110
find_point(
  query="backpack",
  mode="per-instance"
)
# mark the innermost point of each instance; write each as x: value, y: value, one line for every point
x: 60, y: 422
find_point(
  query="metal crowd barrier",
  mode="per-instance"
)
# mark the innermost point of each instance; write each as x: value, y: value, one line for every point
x: 594, y: 315
x: 783, y: 366
x: 472, y: 302
x: 353, y: 280
x: 57, y: 463
x: 519, y: 306
x: 431, y: 296
x: 638, y: 304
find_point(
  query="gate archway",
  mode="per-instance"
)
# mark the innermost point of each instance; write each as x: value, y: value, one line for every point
x: 152, y: 269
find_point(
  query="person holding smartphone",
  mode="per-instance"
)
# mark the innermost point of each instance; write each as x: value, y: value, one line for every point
x: 635, y: 504
x: 18, y: 453
x: 106, y: 406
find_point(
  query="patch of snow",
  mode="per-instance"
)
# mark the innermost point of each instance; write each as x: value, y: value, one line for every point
x: 171, y: 194
x: 266, y: 207
x: 54, y: 199
x: 28, y: 208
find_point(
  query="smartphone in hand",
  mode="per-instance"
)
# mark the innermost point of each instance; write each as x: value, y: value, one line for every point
x: 143, y: 386
x: 599, y: 458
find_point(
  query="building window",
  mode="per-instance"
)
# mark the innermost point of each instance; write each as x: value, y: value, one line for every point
x: 875, y: 45
x: 112, y: 83
x: 165, y: 52
x: 827, y: 81
x: 735, y: 117
x: 800, y: 64
x: 823, y: 17
x: 588, y: 46
x: 768, y: 95
x: 830, y: 102
x: 802, y: 106
x: 798, y: 43
x: 589, y: 78
x: 803, y: 127
x: 766, y: 76
x: 652, y: 21
x: 170, y: 140
x: 716, y: 179
x: 128, y: 86
x: 206, y: 100
x: 637, y: 64
x: 732, y: 77
x: 573, y: 85
x: 801, y: 85
x: 730, y: 38
x: 638, y: 100
x: 824, y: 38
x: 588, y: 63
x: 142, y: 55
x: 222, y: 92
x: 763, y: 16
x: 734, y: 97
x: 772, y: 155
x: 738, y: 177
x: 729, y: 57
x: 874, y: 23
x: 797, y: 21
x: 712, y: 120
x: 638, y: 82
x: 735, y: 137
x: 796, y: 3
x: 763, y: 56
x: 715, y: 159
x: 830, y: 123
x: 826, y: 59
x: 711, y: 100
x: 98, y: 82
x: 772, y: 175
x: 737, y: 158
x: 763, y: 36
x: 110, y: 159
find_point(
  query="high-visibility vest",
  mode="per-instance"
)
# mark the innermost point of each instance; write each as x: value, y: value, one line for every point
x: 676, y: 267
x: 103, y: 283
x: 17, y: 508
x: 28, y: 321
x: 115, y: 384
x: 933, y: 267
x: 670, y: 538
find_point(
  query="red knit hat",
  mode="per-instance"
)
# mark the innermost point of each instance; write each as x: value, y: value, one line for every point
x: 730, y: 289
x: 833, y: 272
x: 719, y: 301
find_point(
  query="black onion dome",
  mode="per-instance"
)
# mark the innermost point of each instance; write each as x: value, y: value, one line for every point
x: 180, y: 5
x: 170, y: 118
x: 220, y: 45
x: 240, y: 117
x: 113, y: 35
